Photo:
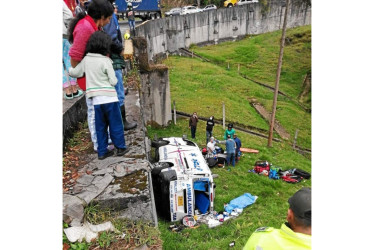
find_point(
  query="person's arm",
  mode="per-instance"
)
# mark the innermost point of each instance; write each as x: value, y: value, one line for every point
x: 111, y: 29
x: 73, y: 62
x: 110, y: 72
x: 78, y: 48
x: 77, y: 71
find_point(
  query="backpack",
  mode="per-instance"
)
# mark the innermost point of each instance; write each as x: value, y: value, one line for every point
x: 301, y: 173
x: 261, y: 166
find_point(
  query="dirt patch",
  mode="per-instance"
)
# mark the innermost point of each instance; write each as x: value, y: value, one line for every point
x: 133, y: 183
x: 267, y: 116
x: 78, y: 152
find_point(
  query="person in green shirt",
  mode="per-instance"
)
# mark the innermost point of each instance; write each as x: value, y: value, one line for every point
x: 296, y: 233
x: 229, y: 131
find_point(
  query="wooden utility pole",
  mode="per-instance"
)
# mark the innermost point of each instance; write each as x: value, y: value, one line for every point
x: 223, y: 115
x: 270, y: 139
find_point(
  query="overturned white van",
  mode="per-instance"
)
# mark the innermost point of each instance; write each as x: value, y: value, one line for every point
x: 182, y: 181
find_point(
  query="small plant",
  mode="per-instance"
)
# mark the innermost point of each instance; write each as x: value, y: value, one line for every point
x: 105, y: 239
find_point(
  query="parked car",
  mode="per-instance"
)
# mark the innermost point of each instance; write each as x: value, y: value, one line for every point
x: 181, y: 179
x: 209, y: 7
x: 242, y: 2
x: 190, y: 10
x: 173, y: 12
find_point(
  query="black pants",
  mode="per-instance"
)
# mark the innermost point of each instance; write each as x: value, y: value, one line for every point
x: 193, y: 132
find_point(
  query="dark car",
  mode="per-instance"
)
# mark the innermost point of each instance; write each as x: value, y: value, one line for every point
x: 173, y: 12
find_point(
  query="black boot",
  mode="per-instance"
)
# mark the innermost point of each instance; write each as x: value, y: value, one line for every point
x: 127, y: 125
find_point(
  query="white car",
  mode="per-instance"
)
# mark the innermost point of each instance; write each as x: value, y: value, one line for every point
x: 242, y: 2
x: 190, y: 10
x: 173, y: 12
x: 209, y: 7
x: 181, y: 179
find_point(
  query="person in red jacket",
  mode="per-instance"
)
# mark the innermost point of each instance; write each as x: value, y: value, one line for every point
x: 99, y: 13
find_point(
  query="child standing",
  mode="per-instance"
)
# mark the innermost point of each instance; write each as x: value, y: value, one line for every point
x: 100, y: 82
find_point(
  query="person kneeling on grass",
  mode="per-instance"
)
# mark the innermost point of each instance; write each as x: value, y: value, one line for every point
x: 100, y: 82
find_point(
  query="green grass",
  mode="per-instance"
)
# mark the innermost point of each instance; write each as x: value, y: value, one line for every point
x: 212, y: 84
x: 270, y: 209
x: 258, y: 57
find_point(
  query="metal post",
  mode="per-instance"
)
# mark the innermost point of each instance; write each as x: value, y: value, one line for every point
x: 270, y: 139
x: 175, y: 114
x: 294, y: 140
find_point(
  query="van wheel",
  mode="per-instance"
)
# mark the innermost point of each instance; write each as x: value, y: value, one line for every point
x: 158, y: 15
x: 230, y: 5
x: 152, y: 17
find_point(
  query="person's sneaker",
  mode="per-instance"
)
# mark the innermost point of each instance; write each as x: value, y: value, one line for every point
x: 78, y: 93
x: 107, y: 154
x: 68, y: 97
x: 122, y: 151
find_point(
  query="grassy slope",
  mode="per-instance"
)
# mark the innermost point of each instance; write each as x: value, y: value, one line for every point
x: 214, y: 84
x: 258, y: 57
x: 270, y: 209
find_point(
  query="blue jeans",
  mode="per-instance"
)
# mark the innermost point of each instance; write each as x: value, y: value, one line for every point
x: 208, y: 135
x: 132, y: 24
x: 119, y: 87
x: 230, y: 158
x: 193, y: 132
x: 109, y: 115
x: 91, y: 122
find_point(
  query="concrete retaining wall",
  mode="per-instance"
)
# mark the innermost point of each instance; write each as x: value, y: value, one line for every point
x: 170, y: 34
x: 154, y: 87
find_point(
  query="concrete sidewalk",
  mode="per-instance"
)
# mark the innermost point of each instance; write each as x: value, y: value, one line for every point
x: 119, y: 183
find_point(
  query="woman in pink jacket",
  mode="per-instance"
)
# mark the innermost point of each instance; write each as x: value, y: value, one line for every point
x: 98, y: 14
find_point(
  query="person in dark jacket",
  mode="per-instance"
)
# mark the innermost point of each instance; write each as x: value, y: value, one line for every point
x: 238, y: 146
x: 193, y: 124
x: 116, y: 48
x: 209, y: 128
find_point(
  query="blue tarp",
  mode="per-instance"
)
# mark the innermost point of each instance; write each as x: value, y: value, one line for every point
x: 241, y: 202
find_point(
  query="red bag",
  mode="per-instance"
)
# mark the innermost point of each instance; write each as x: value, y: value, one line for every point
x: 259, y: 169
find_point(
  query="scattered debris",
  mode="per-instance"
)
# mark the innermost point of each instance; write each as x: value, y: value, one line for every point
x: 87, y: 231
